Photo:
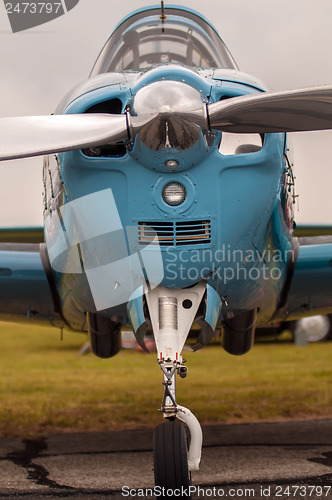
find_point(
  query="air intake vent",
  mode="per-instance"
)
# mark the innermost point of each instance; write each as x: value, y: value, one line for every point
x: 175, y: 234
x: 147, y: 232
x: 193, y: 232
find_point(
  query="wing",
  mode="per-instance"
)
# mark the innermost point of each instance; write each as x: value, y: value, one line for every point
x: 309, y: 230
x: 27, y: 292
x: 21, y: 235
x: 310, y: 291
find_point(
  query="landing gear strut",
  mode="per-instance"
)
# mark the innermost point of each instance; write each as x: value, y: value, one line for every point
x: 172, y: 313
x: 173, y: 462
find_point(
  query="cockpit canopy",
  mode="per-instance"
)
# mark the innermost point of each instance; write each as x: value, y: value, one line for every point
x: 153, y: 36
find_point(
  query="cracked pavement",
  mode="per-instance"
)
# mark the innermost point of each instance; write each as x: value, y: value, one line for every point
x: 235, y: 458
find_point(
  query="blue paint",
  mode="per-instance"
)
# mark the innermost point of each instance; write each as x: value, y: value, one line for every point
x: 237, y: 194
x: 236, y: 201
x: 310, y: 292
x: 135, y: 309
x: 234, y: 229
x: 213, y: 307
x: 24, y: 289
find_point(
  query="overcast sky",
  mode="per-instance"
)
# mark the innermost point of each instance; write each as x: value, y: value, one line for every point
x: 286, y: 43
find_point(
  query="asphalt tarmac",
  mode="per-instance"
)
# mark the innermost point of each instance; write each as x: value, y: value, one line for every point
x: 264, y: 460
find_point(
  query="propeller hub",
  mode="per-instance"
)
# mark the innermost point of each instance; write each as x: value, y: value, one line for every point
x: 176, y: 111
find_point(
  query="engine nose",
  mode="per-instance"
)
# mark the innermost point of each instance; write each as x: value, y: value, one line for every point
x: 178, y: 113
x: 175, y: 132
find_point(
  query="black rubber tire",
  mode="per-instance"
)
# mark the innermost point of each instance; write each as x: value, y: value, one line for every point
x: 104, y: 335
x: 170, y: 458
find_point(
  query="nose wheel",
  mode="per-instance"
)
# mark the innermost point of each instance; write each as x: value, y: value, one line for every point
x: 170, y: 458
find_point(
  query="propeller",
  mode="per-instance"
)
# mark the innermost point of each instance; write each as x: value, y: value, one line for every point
x: 162, y: 103
x: 37, y: 135
x: 288, y: 111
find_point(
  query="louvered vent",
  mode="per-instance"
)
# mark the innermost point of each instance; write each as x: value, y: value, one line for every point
x: 147, y: 232
x: 175, y: 234
x: 193, y: 232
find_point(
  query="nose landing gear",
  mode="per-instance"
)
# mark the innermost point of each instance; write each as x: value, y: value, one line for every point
x: 173, y: 462
x: 171, y: 320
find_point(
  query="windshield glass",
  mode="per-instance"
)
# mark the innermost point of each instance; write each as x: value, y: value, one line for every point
x: 148, y: 38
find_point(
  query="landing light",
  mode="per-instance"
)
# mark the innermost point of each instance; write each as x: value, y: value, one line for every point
x: 174, y: 194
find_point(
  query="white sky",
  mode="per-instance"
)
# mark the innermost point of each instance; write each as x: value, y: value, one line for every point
x: 286, y: 43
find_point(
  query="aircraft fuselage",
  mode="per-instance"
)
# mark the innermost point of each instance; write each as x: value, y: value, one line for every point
x: 234, y: 228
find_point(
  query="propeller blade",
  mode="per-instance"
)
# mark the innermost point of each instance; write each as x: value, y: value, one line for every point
x: 289, y: 111
x: 37, y: 135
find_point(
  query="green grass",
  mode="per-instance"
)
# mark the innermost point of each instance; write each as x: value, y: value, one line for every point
x: 45, y: 386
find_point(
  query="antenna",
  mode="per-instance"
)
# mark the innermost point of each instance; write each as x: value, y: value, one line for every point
x: 162, y: 17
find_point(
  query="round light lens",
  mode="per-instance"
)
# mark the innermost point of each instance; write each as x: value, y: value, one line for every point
x: 174, y: 194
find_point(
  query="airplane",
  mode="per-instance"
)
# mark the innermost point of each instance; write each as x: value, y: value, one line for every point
x: 168, y: 200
